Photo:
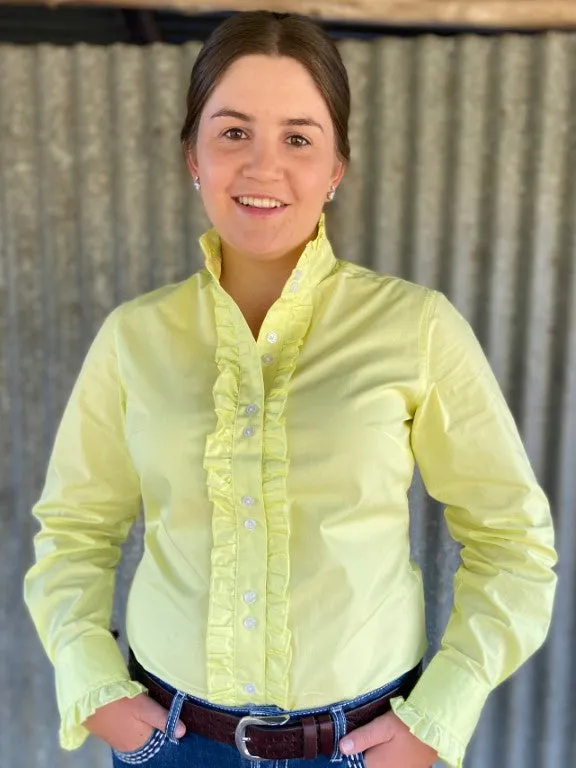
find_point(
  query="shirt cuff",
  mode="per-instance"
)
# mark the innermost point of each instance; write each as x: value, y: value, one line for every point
x: 90, y: 672
x: 444, y: 708
x: 72, y: 733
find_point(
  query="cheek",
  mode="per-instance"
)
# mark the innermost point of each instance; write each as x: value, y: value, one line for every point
x: 216, y: 164
x: 216, y: 176
x: 312, y: 178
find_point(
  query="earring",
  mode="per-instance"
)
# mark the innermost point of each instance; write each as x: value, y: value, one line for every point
x: 196, y: 183
x: 331, y: 193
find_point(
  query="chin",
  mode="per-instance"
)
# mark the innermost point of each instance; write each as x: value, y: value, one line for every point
x: 261, y: 243
x: 260, y: 251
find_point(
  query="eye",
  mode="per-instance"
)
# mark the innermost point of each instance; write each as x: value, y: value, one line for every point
x: 235, y: 134
x: 297, y: 140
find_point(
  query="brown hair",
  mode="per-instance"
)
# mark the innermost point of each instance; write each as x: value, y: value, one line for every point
x: 271, y: 34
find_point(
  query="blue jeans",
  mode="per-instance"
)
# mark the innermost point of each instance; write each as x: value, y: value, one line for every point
x: 164, y: 750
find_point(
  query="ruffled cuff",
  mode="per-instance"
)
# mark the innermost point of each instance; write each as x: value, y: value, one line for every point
x: 450, y: 751
x: 444, y: 707
x: 72, y: 732
x: 90, y: 672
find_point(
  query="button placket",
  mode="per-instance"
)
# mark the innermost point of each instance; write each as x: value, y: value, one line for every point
x: 260, y: 370
x: 249, y: 598
x: 271, y: 340
x: 249, y: 630
x: 258, y: 380
x: 249, y: 431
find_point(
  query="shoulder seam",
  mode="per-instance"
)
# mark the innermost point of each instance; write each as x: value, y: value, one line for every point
x: 116, y: 316
x: 352, y: 268
x: 425, y: 321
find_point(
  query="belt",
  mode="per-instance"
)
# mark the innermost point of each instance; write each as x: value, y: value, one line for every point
x: 271, y: 737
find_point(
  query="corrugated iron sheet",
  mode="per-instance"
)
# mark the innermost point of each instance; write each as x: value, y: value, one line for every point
x: 463, y: 178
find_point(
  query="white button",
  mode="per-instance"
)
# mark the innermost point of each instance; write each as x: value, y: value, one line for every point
x: 251, y: 409
x: 297, y: 274
x: 272, y: 337
x: 249, y: 431
x: 250, y: 622
x: 250, y: 524
x: 250, y: 689
x: 248, y: 501
x: 250, y: 597
x: 267, y: 359
x: 294, y: 287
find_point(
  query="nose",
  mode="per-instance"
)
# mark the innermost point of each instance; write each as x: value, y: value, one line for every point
x: 263, y: 162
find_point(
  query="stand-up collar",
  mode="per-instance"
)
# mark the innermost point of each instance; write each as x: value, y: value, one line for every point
x: 314, y: 265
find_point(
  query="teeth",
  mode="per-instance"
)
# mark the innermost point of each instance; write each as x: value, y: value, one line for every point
x: 260, y: 202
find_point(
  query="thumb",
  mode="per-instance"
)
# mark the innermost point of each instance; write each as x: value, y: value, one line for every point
x: 378, y: 731
x: 156, y: 716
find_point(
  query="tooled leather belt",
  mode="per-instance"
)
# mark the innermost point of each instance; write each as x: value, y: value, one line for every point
x: 266, y: 736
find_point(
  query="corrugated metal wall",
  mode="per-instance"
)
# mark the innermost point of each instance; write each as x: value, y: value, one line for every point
x: 463, y: 178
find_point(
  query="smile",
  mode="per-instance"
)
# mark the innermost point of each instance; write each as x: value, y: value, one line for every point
x: 259, y: 207
x: 259, y: 202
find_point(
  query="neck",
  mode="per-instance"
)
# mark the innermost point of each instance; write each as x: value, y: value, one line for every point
x: 256, y: 285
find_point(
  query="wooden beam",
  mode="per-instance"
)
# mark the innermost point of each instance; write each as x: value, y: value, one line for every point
x: 521, y: 14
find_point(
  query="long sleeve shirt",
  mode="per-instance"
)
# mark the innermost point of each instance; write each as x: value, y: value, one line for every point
x: 273, y: 474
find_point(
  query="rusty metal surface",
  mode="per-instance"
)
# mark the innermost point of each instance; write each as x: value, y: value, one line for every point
x: 508, y: 14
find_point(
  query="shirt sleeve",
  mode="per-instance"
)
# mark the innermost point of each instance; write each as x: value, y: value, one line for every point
x: 90, y: 499
x: 471, y: 459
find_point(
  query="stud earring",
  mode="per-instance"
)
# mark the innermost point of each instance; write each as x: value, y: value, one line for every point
x: 196, y: 183
x: 331, y: 193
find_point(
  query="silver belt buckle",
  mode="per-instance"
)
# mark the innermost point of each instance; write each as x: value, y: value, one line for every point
x: 240, y: 735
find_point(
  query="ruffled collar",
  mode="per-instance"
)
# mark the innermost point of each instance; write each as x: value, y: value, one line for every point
x: 314, y: 265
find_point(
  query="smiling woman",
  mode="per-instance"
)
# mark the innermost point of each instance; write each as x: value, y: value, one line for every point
x: 266, y: 138
x: 268, y: 412
x: 266, y: 158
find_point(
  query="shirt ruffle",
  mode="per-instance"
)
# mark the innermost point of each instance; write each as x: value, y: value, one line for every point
x: 449, y: 749
x: 72, y: 733
x: 274, y: 478
x: 218, y: 465
x: 293, y: 312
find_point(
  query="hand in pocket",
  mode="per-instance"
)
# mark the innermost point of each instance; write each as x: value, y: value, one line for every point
x: 127, y: 724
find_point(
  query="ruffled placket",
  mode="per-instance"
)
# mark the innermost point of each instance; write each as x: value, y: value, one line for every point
x: 247, y: 461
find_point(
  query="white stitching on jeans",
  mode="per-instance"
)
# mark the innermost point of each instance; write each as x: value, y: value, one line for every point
x: 146, y: 753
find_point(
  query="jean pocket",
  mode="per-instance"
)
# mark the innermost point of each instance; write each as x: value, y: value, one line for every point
x: 146, y: 752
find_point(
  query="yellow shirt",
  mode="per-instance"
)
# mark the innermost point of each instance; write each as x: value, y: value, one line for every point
x: 273, y: 475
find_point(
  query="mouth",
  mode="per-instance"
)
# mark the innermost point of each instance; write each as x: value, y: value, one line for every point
x: 263, y: 206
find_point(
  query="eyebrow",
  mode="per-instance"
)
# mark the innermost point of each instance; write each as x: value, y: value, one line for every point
x: 291, y: 121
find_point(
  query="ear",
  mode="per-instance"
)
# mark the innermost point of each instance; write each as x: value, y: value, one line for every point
x: 338, y: 173
x: 191, y: 161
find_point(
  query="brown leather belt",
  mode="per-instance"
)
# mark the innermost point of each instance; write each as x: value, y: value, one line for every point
x: 266, y: 736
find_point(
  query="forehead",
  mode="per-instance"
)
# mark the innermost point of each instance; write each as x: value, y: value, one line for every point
x: 269, y: 85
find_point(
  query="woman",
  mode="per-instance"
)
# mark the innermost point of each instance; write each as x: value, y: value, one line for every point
x: 268, y: 412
